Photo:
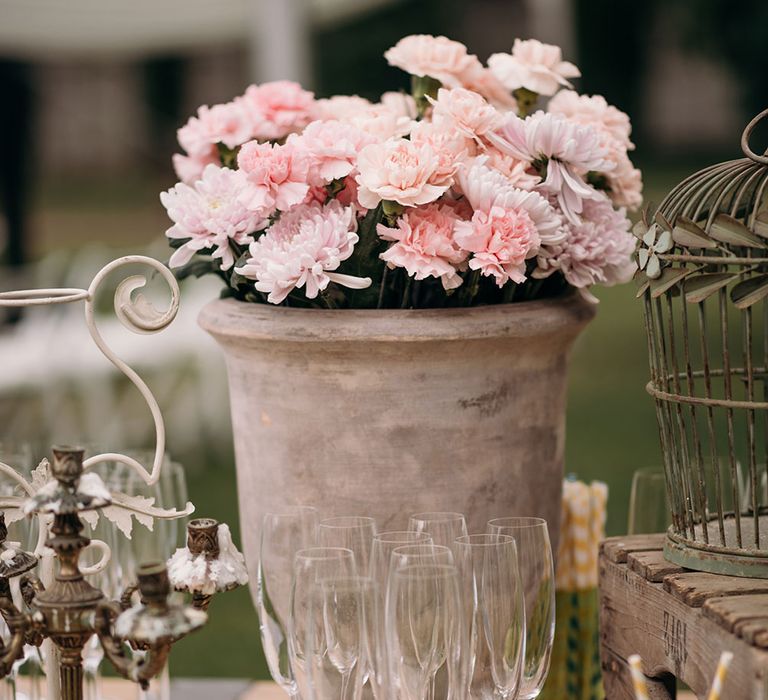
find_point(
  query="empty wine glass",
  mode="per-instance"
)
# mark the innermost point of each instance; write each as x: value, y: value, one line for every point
x: 336, y: 641
x: 282, y: 535
x: 444, y: 527
x: 311, y: 567
x: 424, y: 630
x: 537, y: 571
x: 494, y: 614
x: 648, y: 510
x: 353, y: 532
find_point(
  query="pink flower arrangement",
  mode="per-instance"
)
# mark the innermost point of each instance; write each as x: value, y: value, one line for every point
x: 462, y: 193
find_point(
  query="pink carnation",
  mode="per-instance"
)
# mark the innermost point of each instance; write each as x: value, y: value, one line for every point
x: 190, y: 168
x: 569, y: 151
x: 534, y: 66
x: 450, y: 146
x: 597, y: 250
x: 278, y: 108
x: 625, y: 181
x: 332, y: 147
x: 502, y: 239
x: 481, y: 80
x: 595, y: 112
x: 485, y: 188
x: 518, y: 173
x: 425, y: 244
x: 465, y: 111
x: 210, y: 215
x: 226, y: 123
x: 400, y: 171
x: 302, y: 249
x: 434, y: 56
x: 342, y: 107
x: 276, y: 176
x: 398, y: 103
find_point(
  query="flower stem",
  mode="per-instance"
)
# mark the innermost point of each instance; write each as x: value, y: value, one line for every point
x: 470, y: 288
x: 407, y: 293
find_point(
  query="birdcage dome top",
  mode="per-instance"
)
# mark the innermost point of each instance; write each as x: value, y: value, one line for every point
x: 717, y: 217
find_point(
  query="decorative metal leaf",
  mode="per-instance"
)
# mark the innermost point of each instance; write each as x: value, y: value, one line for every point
x: 690, y: 235
x: 661, y: 220
x: 726, y: 229
x: 761, y: 224
x: 750, y: 291
x: 668, y: 279
x: 639, y: 229
x: 642, y: 289
x: 701, y: 287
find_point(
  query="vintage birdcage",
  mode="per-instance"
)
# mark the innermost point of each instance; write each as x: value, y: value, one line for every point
x: 703, y: 261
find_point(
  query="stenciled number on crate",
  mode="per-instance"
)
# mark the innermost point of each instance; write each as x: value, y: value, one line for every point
x: 675, y: 639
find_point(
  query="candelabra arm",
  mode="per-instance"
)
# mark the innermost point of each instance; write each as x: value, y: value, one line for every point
x: 18, y: 624
x: 138, y: 670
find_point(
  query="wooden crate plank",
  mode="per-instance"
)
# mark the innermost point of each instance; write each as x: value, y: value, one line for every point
x: 652, y: 566
x: 616, y: 549
x: 694, y: 588
x: 734, y: 612
x: 639, y: 617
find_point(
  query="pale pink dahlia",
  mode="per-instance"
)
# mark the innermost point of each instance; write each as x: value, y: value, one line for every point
x: 567, y: 150
x: 211, y: 216
x: 278, y: 108
x: 597, y: 250
x: 276, y: 176
x: 485, y: 188
x: 400, y: 171
x: 332, y: 147
x: 434, y: 56
x: 302, y: 249
x: 425, y: 245
x: 465, y: 111
x: 534, y: 66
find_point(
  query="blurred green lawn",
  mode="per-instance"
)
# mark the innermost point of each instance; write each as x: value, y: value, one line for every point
x: 611, y: 421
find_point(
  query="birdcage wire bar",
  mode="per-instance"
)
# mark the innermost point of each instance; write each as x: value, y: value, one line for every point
x: 706, y: 317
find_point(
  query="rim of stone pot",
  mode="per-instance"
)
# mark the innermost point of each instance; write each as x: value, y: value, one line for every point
x: 228, y: 318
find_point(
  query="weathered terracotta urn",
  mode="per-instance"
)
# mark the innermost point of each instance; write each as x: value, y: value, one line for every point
x: 389, y: 412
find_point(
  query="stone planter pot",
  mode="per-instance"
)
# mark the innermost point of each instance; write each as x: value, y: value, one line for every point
x: 386, y: 413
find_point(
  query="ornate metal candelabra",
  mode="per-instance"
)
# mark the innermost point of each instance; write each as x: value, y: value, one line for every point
x: 59, y: 608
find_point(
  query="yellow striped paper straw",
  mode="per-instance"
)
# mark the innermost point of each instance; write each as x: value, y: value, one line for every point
x: 638, y: 678
x: 722, y: 668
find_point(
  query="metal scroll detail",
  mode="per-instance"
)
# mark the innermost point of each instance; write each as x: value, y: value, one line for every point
x: 136, y: 313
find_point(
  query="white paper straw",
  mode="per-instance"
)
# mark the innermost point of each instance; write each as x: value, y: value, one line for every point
x: 638, y: 678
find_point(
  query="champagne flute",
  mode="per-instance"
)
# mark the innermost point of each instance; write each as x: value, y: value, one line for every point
x: 424, y: 630
x: 494, y: 612
x: 353, y: 532
x: 306, y: 635
x: 282, y: 535
x: 648, y: 510
x: 537, y: 572
x: 385, y: 543
x: 336, y: 640
x: 444, y: 527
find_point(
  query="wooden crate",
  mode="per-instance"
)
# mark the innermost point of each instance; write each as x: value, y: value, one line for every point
x: 679, y: 621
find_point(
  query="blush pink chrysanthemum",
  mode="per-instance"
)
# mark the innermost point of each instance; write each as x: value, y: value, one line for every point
x: 567, y: 150
x: 598, y: 249
x: 211, y: 216
x: 302, y: 250
x: 400, y: 171
x: 435, y: 56
x: 593, y: 111
x: 276, y: 176
x: 425, y: 245
x: 534, y: 66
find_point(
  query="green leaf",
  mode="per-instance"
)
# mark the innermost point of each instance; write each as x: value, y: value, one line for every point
x: 726, y: 229
x: 197, y: 267
x: 176, y: 243
x: 690, y: 235
x: 668, y: 279
x: 701, y: 287
x: 750, y: 291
